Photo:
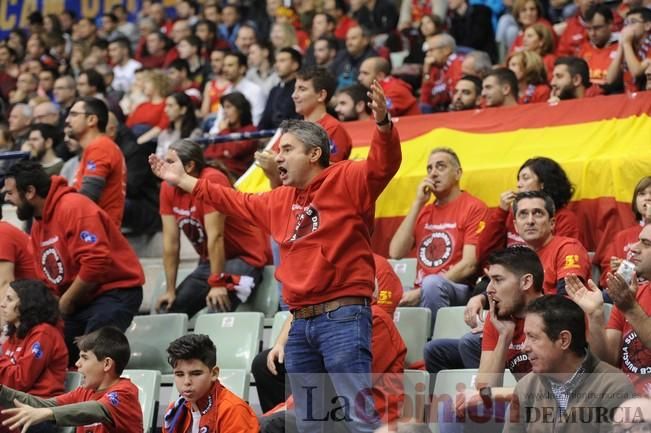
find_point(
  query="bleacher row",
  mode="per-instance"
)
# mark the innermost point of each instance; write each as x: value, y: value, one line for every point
x: 239, y: 336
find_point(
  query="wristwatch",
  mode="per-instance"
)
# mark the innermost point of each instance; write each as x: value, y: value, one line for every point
x: 486, y: 396
x: 385, y: 121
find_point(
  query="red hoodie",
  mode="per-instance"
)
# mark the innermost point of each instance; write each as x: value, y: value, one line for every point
x: 15, y: 249
x: 400, y: 97
x: 324, y: 231
x: 74, y: 238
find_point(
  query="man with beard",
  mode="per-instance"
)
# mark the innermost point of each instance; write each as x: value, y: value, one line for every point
x: 571, y: 79
x: 445, y: 233
x: 42, y: 140
x: 80, y: 253
x: 352, y: 103
x: 500, y: 88
x: 102, y: 173
x: 467, y: 94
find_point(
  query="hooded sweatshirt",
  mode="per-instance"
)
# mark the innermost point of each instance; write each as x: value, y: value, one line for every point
x: 74, y: 237
x: 324, y: 230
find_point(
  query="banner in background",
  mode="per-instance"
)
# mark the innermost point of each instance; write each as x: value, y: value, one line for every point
x: 603, y: 143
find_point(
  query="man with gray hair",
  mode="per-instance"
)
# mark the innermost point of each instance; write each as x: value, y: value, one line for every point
x: 20, y: 118
x: 441, y: 71
x: 46, y: 112
x: 321, y: 217
x: 477, y: 64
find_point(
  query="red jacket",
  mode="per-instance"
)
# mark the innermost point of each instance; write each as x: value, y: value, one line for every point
x: 15, y: 249
x: 437, y: 89
x: 400, y: 97
x: 77, y: 238
x: 572, y: 38
x: 324, y: 231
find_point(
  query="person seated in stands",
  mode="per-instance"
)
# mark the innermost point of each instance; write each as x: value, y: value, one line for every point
x: 183, y: 123
x: 611, y: 251
x: 526, y: 14
x: 42, y: 140
x: 231, y: 252
x: 536, y: 174
x: 500, y: 88
x: 34, y: 357
x: 204, y: 404
x: 236, y: 155
x: 467, y: 94
x: 445, y: 233
x: 16, y: 262
x: 105, y: 401
x: 601, y: 45
x: 441, y: 71
x: 633, y: 55
x: 625, y: 341
x: 571, y: 80
x: 149, y: 118
x: 540, y: 39
x: 352, y: 103
x: 532, y: 77
x: 399, y: 95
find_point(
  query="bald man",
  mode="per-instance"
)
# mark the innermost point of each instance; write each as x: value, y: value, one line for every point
x: 399, y: 94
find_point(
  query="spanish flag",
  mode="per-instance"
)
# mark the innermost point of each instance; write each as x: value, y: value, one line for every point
x: 603, y: 143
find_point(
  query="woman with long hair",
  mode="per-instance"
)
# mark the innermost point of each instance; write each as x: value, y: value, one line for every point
x: 536, y: 174
x: 34, y: 357
x: 530, y: 71
x: 183, y: 122
x: 237, y: 156
x: 539, y: 39
x: 526, y: 14
x: 232, y: 253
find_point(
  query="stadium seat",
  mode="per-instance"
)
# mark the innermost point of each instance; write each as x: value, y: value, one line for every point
x: 265, y: 297
x: 414, y: 325
x: 445, y: 391
x: 279, y: 320
x: 148, y: 383
x: 416, y: 383
x: 73, y: 381
x: 149, y: 337
x: 153, y: 274
x: 449, y: 323
x: 406, y: 270
x: 160, y: 287
x: 236, y: 335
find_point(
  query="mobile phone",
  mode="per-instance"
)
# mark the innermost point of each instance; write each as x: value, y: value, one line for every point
x: 626, y: 270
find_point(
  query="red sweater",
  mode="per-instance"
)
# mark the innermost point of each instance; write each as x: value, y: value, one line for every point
x: 36, y: 364
x: 75, y: 238
x: 324, y: 231
x: 400, y: 97
x: 15, y: 249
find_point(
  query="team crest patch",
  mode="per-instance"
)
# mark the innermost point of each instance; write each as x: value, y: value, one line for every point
x: 435, y: 249
x: 203, y: 429
x: 333, y: 147
x: 52, y: 265
x: 389, y: 103
x: 306, y: 223
x: 88, y: 237
x: 36, y: 350
x: 113, y: 398
x: 91, y: 165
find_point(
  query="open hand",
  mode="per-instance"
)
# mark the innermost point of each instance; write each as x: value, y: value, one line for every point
x: 25, y: 416
x: 171, y: 171
x: 588, y: 298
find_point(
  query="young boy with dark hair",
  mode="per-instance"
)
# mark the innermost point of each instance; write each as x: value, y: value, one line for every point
x: 105, y: 403
x: 203, y: 404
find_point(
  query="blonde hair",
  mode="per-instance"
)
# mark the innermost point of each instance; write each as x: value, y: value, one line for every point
x: 546, y: 36
x: 160, y: 81
x: 289, y: 36
x: 533, y: 66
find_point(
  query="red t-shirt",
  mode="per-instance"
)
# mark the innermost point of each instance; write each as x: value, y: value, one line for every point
x: 399, y: 97
x: 635, y: 357
x: 150, y: 114
x: 340, y: 141
x: 389, y: 287
x: 518, y: 42
x: 619, y: 246
x: 237, y: 156
x: 15, y: 249
x: 534, y: 94
x: 572, y: 38
x: 36, y: 364
x: 241, y: 239
x: 560, y: 257
x: 119, y: 400
x: 437, y: 89
x: 103, y: 158
x: 344, y: 24
x: 598, y: 59
x: 644, y: 52
x: 442, y: 231
x: 516, y: 361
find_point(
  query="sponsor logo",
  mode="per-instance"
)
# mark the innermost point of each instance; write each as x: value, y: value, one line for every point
x: 113, y: 398
x: 88, y: 237
x: 435, y: 250
x: 37, y: 351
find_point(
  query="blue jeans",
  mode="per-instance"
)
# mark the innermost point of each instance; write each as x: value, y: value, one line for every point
x: 452, y: 353
x: 437, y: 292
x: 335, y: 346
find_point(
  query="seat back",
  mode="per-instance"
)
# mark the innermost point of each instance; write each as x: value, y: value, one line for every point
x: 406, y: 270
x: 416, y: 383
x: 265, y: 296
x: 236, y: 335
x: 236, y: 380
x: 148, y: 383
x: 160, y: 286
x: 414, y: 325
x: 149, y: 337
x: 446, y: 386
x: 449, y: 323
x: 279, y: 320
x: 72, y: 382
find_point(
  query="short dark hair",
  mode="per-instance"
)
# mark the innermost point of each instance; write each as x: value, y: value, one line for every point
x: 180, y: 65
x: 30, y: 173
x: 95, y: 80
x: 644, y: 12
x: 520, y: 260
x: 549, y: 203
x: 193, y: 40
x: 48, y: 132
x: 96, y: 107
x: 576, y: 66
x: 241, y: 58
x: 331, y: 40
x: 358, y: 93
x: 329, y: 18
x: 36, y: 305
x: 553, y: 178
x: 601, y: 9
x: 123, y: 42
x: 321, y: 80
x: 311, y: 135
x: 192, y: 346
x: 111, y: 16
x: 558, y: 314
x: 476, y: 81
x: 294, y: 54
x: 108, y: 342
x: 505, y: 76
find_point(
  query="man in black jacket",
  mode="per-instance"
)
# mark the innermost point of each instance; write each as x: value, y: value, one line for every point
x: 280, y: 105
x: 471, y: 26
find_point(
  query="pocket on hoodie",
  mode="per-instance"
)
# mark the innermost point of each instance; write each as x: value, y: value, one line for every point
x: 306, y: 270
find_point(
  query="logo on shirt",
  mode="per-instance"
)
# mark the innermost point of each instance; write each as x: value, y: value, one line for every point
x: 389, y: 102
x: 306, y: 223
x: 435, y: 249
x: 636, y: 358
x: 571, y: 262
x: 194, y: 231
x: 203, y: 429
x: 384, y: 297
x: 113, y: 398
x: 481, y: 226
x: 88, y: 237
x: 36, y: 350
x: 91, y: 166
x: 52, y: 265
x: 333, y: 147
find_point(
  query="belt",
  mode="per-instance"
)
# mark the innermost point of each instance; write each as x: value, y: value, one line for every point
x: 326, y: 307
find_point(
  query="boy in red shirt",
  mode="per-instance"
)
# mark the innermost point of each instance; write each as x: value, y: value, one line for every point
x: 204, y: 404
x: 105, y: 403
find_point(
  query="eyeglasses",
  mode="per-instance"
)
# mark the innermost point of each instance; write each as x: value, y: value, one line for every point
x: 629, y: 21
x: 78, y: 113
